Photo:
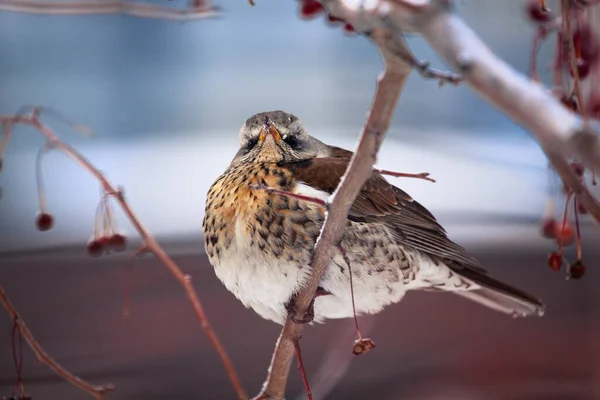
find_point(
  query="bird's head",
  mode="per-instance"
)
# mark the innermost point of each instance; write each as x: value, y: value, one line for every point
x: 277, y: 136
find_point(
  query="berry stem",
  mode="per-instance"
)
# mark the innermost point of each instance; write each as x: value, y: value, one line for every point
x: 564, y: 223
x: 576, y: 210
x: 128, y: 273
x: 301, y: 368
x: 347, y: 261
x: 40, y: 179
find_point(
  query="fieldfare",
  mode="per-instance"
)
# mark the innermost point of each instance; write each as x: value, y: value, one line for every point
x: 260, y: 242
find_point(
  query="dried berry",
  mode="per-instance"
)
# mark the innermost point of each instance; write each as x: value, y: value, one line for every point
x: 576, y: 270
x: 117, y: 242
x: 538, y: 13
x: 555, y: 261
x: 96, y: 248
x: 44, y: 221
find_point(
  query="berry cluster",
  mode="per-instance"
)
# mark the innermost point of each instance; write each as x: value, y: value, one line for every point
x: 106, y: 237
x: 564, y: 234
x: 312, y: 8
x: 577, y: 49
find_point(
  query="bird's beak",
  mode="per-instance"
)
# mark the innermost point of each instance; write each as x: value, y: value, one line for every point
x: 268, y: 129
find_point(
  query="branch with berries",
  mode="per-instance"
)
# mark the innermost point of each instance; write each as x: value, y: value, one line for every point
x: 197, y: 9
x: 106, y: 238
x: 562, y: 133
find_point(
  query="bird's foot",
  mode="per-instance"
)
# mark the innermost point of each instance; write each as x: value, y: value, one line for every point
x: 309, y: 316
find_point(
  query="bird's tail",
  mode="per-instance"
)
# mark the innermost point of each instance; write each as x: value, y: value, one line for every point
x: 501, y: 296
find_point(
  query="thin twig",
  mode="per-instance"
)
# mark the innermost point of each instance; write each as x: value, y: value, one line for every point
x: 147, y: 238
x: 389, y: 87
x: 42, y: 356
x: 420, y: 175
x: 136, y: 9
x: 309, y: 199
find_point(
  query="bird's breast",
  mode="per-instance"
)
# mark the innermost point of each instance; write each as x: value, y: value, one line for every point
x: 243, y: 222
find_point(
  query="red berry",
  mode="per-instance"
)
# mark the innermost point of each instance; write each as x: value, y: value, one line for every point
x: 44, y: 221
x: 576, y: 270
x: 549, y: 228
x: 583, y: 68
x: 117, y: 242
x: 555, y: 261
x: 348, y: 28
x: 311, y: 8
x: 567, y: 234
x: 581, y: 208
x: 96, y: 247
x: 585, y: 41
x: 537, y: 12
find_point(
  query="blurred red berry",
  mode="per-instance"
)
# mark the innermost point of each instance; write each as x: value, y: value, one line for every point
x: 117, y: 242
x: 587, y: 44
x: 96, y: 248
x: 555, y: 261
x: 576, y: 270
x: 581, y: 208
x: 583, y: 68
x: 565, y: 235
x: 44, y: 221
x: 311, y: 8
x: 537, y: 12
x: 348, y: 28
x: 549, y: 228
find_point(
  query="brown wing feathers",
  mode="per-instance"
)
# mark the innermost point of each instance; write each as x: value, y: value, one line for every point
x: 381, y: 202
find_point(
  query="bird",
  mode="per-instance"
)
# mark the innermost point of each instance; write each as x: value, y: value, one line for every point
x: 260, y: 242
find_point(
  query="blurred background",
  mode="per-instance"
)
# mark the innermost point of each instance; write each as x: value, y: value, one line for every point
x: 166, y: 100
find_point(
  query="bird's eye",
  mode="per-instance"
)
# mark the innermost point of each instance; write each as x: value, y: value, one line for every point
x: 251, y: 142
x: 291, y: 141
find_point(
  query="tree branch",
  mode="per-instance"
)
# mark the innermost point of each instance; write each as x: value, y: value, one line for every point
x: 196, y: 9
x: 559, y: 132
x: 389, y: 88
x: 151, y: 244
x: 42, y: 356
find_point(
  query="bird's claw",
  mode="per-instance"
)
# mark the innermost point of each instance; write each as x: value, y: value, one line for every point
x: 307, y: 318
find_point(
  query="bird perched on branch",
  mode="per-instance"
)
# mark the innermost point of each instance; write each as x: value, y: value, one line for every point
x: 260, y: 242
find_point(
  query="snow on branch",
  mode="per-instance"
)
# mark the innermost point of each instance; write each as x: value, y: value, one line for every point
x: 559, y: 131
x: 196, y: 10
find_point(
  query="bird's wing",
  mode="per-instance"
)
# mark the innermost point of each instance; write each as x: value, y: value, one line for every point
x: 381, y: 202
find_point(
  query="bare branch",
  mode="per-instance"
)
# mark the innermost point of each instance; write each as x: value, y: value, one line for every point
x: 151, y: 244
x: 560, y: 132
x: 42, y: 356
x: 203, y: 9
x: 389, y: 88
